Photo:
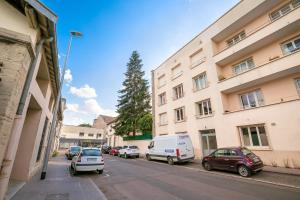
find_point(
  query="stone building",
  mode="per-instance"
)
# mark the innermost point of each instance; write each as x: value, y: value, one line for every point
x: 29, y: 82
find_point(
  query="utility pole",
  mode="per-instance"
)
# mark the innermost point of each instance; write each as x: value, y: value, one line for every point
x: 57, y: 104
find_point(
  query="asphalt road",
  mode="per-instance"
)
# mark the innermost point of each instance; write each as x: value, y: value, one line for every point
x: 138, y: 179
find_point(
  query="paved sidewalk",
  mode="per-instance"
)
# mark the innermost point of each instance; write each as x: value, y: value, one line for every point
x: 60, y: 185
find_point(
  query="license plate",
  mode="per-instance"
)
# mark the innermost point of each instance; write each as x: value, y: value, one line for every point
x: 91, y: 159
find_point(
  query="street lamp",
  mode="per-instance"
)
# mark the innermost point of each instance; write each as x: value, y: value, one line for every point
x: 54, y: 118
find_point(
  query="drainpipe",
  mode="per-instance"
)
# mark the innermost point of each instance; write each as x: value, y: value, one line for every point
x: 30, y: 74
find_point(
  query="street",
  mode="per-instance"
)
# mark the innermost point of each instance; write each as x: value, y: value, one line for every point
x: 141, y: 179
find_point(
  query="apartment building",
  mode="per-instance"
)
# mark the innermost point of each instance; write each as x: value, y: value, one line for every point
x: 237, y: 83
x: 29, y: 82
x: 82, y: 136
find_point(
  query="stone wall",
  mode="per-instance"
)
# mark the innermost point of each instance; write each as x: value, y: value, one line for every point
x: 14, y: 63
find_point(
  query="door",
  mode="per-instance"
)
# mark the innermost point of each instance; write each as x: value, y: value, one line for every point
x: 209, y: 141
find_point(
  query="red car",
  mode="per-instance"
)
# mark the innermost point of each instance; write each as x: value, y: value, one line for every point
x: 114, y: 151
x: 237, y: 159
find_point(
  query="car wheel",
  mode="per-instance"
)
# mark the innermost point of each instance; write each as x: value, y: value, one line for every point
x: 244, y: 171
x: 125, y: 156
x: 170, y: 161
x: 207, y: 166
x: 100, y: 171
x: 148, y: 157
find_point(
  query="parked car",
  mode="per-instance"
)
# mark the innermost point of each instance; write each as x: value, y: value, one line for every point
x: 89, y: 159
x: 105, y: 149
x: 72, y: 151
x: 171, y: 148
x: 236, y: 159
x: 129, y: 151
x: 114, y: 151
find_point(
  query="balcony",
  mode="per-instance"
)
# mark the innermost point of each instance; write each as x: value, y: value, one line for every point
x: 274, y: 69
x: 258, y: 38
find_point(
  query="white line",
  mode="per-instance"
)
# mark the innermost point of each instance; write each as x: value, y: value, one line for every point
x: 103, y: 197
x: 242, y: 178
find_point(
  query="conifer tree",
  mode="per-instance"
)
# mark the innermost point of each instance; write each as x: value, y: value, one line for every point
x: 134, y: 98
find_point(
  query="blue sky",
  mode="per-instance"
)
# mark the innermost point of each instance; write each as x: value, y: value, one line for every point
x: 112, y: 29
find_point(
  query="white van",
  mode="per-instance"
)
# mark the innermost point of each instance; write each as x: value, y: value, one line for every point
x: 171, y: 148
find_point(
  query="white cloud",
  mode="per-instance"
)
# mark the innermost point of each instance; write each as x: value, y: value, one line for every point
x: 72, y: 107
x: 92, y: 106
x: 85, y: 92
x: 68, y: 76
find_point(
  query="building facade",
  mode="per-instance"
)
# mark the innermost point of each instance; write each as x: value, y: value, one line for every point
x: 82, y: 136
x: 237, y: 83
x: 29, y: 82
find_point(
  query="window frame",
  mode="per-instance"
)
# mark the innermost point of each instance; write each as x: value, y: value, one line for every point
x: 81, y: 134
x: 292, y: 41
x: 160, y: 98
x: 160, y: 122
x: 197, y: 79
x: 246, y: 62
x: 90, y: 134
x: 232, y: 41
x: 297, y: 83
x: 209, y: 106
x: 256, y: 99
x: 250, y: 137
x: 181, y: 114
x: 280, y: 12
x: 176, y: 94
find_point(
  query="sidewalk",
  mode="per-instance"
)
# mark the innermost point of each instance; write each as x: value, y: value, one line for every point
x: 59, y: 185
x: 280, y: 170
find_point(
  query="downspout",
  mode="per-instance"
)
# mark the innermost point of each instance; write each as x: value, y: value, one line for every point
x: 153, y: 104
x: 32, y: 18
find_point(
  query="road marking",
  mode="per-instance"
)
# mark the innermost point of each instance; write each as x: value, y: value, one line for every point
x: 242, y: 178
x: 99, y: 191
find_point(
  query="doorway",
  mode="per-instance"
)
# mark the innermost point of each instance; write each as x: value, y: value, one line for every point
x: 209, y: 141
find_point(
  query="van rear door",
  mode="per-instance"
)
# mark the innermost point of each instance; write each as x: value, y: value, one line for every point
x: 185, y: 147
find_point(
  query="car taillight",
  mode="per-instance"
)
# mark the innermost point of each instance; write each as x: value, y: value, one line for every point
x: 79, y: 158
x: 177, y: 153
x: 249, y: 161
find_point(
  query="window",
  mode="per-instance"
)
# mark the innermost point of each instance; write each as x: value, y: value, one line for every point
x: 91, y: 135
x: 178, y: 91
x: 243, y: 66
x: 176, y: 71
x: 99, y: 135
x: 179, y: 114
x: 237, y: 38
x: 161, y: 81
x: 204, y: 108
x: 81, y: 134
x: 162, y: 99
x: 91, y: 152
x: 254, y: 135
x: 291, y: 46
x: 252, y: 99
x: 285, y: 9
x: 298, y: 84
x: 163, y: 120
x: 200, y: 81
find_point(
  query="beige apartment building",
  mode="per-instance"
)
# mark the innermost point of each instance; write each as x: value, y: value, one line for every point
x: 82, y: 136
x: 29, y: 82
x: 237, y: 83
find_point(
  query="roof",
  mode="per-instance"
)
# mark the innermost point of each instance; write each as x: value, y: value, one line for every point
x: 107, y: 119
x: 43, y: 18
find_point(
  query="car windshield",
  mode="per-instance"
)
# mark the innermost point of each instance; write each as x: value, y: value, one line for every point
x: 246, y: 151
x: 133, y: 147
x: 75, y: 149
x: 91, y: 152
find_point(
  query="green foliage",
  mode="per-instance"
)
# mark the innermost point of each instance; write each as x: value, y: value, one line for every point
x: 85, y: 125
x: 134, y: 98
x: 145, y: 123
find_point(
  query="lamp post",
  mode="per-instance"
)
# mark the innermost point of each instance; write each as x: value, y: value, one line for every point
x: 57, y: 104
